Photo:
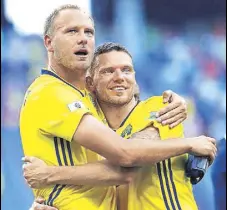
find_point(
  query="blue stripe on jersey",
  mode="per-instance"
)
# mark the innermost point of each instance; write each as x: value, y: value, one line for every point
x: 70, y: 153
x: 51, y: 200
x: 63, y: 151
x: 162, y: 186
x: 60, y: 164
x: 57, y: 194
x: 52, y: 193
x: 57, y: 151
x: 173, y: 185
x: 47, y: 72
x: 167, y: 185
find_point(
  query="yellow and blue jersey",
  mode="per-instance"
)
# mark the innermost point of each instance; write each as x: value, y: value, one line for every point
x: 50, y: 115
x: 163, y: 185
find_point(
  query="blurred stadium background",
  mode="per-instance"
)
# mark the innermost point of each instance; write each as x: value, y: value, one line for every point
x: 178, y: 45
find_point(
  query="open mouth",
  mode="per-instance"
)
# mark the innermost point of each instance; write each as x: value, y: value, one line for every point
x: 82, y: 52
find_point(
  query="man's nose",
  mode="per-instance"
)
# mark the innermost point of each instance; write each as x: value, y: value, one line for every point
x: 82, y: 38
x: 118, y: 75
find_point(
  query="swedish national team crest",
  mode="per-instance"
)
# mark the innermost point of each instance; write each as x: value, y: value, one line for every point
x: 127, y: 131
x: 152, y: 116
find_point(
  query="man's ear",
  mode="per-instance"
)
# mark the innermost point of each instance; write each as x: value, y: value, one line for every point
x: 90, y: 84
x: 48, y: 43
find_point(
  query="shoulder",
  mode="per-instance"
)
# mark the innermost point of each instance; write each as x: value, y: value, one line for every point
x: 44, y: 94
x: 153, y: 103
x: 51, y: 88
x: 158, y: 100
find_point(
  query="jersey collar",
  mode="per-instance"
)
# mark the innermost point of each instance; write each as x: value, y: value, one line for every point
x: 53, y: 74
x: 129, y: 114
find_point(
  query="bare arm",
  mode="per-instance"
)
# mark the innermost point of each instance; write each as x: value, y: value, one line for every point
x: 38, y: 174
x: 95, y: 136
x: 101, y: 173
x: 151, y: 133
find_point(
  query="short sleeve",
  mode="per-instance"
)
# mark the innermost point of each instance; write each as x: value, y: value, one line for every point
x: 154, y: 104
x: 61, y: 111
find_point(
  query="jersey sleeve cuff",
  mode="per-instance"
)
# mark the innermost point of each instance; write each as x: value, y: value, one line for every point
x: 72, y: 122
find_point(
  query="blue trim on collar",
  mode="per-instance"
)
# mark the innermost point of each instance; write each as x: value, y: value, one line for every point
x: 47, y: 72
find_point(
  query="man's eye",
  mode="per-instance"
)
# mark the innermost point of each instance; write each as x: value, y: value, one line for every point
x: 126, y: 70
x: 89, y: 33
x: 107, y: 71
x: 72, y: 31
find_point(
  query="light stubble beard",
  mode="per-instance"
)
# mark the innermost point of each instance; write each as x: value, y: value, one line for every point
x: 112, y: 101
x: 66, y: 61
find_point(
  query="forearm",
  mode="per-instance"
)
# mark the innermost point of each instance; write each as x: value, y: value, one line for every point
x: 160, y: 150
x: 146, y: 152
x: 130, y: 153
x: 101, y: 173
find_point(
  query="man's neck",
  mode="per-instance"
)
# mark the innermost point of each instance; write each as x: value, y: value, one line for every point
x: 116, y: 114
x: 74, y: 77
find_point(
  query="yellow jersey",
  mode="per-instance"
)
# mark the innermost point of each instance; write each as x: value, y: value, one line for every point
x: 163, y: 185
x: 51, y: 112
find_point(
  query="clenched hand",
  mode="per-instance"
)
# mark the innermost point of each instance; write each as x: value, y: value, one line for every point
x: 35, y: 172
